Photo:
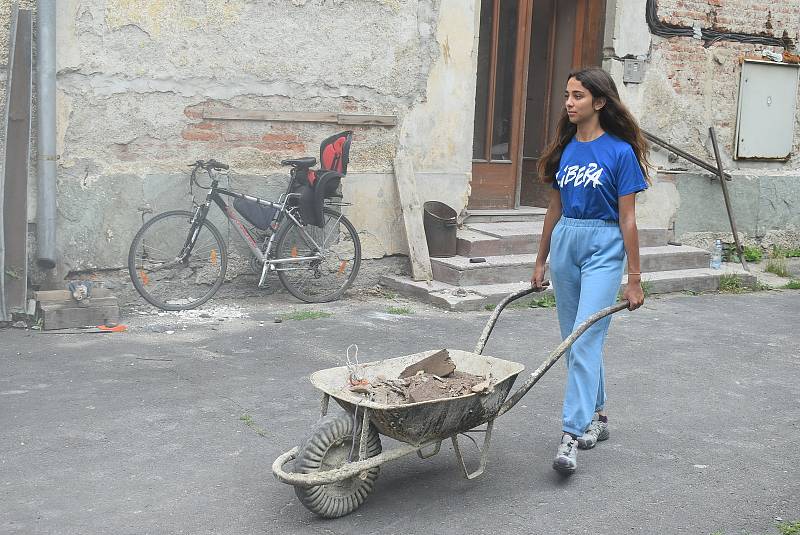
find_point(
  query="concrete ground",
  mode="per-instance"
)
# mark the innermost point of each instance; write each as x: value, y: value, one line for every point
x: 172, y: 427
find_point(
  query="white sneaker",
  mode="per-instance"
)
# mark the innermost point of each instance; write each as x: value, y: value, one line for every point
x: 566, y: 460
x: 596, y: 432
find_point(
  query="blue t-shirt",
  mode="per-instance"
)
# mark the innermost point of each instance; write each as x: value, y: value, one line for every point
x: 592, y: 175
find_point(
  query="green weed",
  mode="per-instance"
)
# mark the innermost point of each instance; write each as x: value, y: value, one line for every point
x: 387, y: 293
x: 306, y: 315
x: 785, y: 528
x: 793, y: 284
x: 777, y: 263
x: 489, y: 307
x: 248, y: 421
x: 546, y: 301
x: 647, y: 288
x: 789, y: 528
x: 731, y: 284
x: 400, y: 310
x: 753, y: 254
x: 792, y: 253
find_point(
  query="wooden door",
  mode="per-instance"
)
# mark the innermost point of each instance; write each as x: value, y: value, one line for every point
x: 565, y: 35
x: 504, y: 29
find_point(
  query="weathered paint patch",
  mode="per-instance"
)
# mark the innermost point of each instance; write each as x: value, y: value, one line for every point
x: 155, y: 17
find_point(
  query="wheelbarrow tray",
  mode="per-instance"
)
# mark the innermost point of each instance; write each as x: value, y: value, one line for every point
x: 425, y: 421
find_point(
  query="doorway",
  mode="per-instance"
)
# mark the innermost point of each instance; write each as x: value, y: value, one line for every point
x: 526, y: 48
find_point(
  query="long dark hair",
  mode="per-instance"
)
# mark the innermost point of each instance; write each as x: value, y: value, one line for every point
x: 615, y: 119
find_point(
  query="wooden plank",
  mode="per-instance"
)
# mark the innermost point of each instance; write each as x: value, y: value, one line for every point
x: 84, y: 303
x: 412, y: 216
x: 233, y: 114
x: 268, y: 115
x: 79, y: 317
x: 369, y: 120
x: 65, y: 295
x: 16, y: 162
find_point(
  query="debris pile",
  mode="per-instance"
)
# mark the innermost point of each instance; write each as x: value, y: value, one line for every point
x: 432, y: 378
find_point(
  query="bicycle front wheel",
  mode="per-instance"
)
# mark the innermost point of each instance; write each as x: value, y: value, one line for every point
x: 172, y: 271
x: 317, y: 264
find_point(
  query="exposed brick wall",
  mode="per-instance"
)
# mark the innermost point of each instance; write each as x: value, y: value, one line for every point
x: 688, y: 60
x: 708, y: 76
x: 741, y: 16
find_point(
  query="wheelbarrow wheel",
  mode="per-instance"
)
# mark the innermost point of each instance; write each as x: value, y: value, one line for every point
x: 329, y: 447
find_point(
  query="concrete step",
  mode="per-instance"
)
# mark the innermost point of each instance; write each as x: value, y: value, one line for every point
x: 459, y: 271
x: 672, y: 257
x: 482, y: 296
x: 502, y: 238
x: 523, y: 213
x: 522, y: 237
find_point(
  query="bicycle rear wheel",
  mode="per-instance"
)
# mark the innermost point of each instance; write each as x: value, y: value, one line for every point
x: 166, y: 275
x: 338, y: 256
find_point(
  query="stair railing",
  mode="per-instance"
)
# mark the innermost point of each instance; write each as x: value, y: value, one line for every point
x: 718, y: 172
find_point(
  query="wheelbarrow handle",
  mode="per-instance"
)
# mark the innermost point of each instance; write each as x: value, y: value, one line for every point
x: 487, y: 330
x: 556, y: 354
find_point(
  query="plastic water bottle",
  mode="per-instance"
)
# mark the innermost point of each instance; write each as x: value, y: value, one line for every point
x: 716, y: 255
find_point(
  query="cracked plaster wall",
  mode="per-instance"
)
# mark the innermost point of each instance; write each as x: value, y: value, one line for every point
x: 686, y: 89
x: 135, y: 76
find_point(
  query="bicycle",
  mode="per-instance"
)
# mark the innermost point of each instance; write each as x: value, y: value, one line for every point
x: 314, y: 249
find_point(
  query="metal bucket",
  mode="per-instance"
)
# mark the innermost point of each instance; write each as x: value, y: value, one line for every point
x: 439, y: 221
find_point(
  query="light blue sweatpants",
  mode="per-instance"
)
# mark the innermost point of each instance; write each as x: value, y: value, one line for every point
x: 586, y: 263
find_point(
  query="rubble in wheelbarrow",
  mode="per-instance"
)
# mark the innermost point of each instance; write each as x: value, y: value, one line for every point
x: 430, y: 379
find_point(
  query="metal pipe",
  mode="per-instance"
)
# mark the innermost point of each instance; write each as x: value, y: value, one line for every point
x: 46, y: 199
x: 683, y: 154
x: 739, y: 248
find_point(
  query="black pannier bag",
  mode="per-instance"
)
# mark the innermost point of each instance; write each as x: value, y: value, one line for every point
x: 259, y: 215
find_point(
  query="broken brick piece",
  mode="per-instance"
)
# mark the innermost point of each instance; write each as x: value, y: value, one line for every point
x: 439, y: 364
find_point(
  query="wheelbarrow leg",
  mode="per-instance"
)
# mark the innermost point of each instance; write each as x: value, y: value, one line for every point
x: 326, y: 398
x: 484, y: 452
x: 362, y: 445
x: 430, y: 454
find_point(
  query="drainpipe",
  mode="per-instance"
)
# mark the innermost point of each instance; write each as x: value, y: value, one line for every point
x: 46, y: 200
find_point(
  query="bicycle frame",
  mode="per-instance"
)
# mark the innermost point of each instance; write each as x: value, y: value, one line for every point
x: 215, y: 194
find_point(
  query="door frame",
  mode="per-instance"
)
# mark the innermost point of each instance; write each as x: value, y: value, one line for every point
x: 591, y: 36
x: 523, y: 101
x: 524, y: 13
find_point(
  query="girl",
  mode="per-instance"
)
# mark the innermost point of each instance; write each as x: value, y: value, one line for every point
x: 596, y: 164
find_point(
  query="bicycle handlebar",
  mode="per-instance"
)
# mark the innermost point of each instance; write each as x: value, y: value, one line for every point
x: 213, y: 164
x: 209, y: 165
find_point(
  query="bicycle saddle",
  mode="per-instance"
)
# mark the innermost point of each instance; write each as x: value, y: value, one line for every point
x: 306, y: 161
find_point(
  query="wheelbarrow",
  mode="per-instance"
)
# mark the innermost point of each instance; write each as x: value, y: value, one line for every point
x: 336, y: 467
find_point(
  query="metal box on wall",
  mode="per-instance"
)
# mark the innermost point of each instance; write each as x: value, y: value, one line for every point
x: 765, y: 118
